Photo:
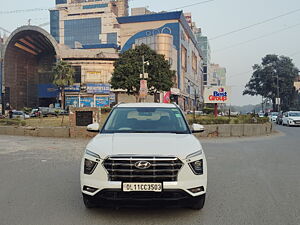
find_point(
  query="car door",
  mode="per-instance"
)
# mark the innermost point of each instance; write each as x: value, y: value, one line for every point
x: 285, y: 118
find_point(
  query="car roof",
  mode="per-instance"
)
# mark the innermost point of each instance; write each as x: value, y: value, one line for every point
x: 146, y: 105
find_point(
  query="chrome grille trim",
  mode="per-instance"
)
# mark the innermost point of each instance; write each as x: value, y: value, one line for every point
x: 123, y: 169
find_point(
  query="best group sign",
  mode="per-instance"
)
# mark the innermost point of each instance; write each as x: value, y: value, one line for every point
x: 217, y: 94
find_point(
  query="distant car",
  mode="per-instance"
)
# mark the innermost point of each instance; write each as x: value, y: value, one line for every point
x: 291, y: 118
x: 35, y: 113
x: 2, y: 116
x: 279, y: 118
x: 261, y: 115
x: 273, y: 116
x: 20, y: 115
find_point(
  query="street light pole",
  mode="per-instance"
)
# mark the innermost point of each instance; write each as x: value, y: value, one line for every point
x: 278, y: 97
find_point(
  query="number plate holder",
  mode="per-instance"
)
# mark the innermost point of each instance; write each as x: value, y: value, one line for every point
x: 142, y: 187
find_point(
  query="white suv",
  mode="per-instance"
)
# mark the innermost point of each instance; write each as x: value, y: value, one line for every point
x: 145, y: 154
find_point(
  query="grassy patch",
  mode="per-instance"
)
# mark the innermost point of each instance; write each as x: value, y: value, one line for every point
x: 60, y: 121
x: 12, y: 122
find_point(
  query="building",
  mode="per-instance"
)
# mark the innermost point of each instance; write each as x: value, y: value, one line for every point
x: 83, y: 33
x: 218, y: 75
x: 169, y: 34
x: 140, y: 11
x: 203, y: 44
x: 81, y: 23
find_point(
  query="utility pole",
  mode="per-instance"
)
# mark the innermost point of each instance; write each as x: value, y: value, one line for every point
x: 278, y: 97
x: 143, y: 82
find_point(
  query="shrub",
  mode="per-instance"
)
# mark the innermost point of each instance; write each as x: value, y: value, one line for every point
x: 12, y: 122
x: 242, y: 119
x: 105, y: 110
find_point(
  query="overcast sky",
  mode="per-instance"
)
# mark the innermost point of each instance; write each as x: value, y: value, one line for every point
x: 280, y: 36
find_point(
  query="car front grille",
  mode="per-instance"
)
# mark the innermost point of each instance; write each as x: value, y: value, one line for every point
x: 124, y: 169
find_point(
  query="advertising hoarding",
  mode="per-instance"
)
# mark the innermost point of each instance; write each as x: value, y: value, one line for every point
x: 72, y: 101
x: 98, y: 88
x: 102, y: 102
x: 217, y: 94
x: 47, y: 91
x: 72, y: 88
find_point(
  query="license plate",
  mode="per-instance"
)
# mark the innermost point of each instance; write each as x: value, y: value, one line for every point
x: 152, y: 187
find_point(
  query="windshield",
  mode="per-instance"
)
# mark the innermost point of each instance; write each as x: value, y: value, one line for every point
x: 274, y: 113
x: 294, y: 114
x: 146, y: 120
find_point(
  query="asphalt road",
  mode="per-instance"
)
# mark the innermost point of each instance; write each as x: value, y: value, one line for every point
x: 251, y: 181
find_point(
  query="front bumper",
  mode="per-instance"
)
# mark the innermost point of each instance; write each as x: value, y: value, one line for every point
x: 186, y: 181
x: 118, y: 198
x: 293, y: 123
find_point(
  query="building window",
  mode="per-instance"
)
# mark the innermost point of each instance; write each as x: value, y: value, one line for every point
x: 194, y: 62
x: 77, y: 74
x: 183, y: 58
x: 112, y: 38
x: 61, y: 2
x: 205, y: 78
x: 54, y: 24
x: 84, y: 31
x: 96, y: 6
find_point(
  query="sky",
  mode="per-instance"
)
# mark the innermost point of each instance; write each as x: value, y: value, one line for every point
x: 237, y: 52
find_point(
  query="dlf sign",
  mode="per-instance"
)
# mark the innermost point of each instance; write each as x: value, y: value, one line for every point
x: 217, y: 94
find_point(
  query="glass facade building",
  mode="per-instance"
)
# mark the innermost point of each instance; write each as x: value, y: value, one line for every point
x: 54, y: 24
x: 84, y: 31
x: 61, y: 2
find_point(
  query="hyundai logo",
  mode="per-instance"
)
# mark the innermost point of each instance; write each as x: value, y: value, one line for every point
x: 142, y: 165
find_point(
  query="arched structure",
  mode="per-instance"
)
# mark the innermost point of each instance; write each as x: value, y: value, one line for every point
x: 28, y: 57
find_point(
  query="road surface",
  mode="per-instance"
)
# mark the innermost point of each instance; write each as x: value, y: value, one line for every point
x: 251, y: 181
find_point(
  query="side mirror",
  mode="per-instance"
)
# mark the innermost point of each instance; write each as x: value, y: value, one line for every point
x: 95, y: 127
x: 197, y: 128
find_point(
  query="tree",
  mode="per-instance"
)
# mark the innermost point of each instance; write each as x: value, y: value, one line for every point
x: 129, y: 66
x: 264, y: 80
x: 63, y: 75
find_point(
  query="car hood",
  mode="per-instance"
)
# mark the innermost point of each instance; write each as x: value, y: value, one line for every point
x: 179, y: 145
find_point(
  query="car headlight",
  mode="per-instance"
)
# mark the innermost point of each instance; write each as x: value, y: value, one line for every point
x: 93, y: 154
x: 195, y: 154
x: 197, y: 167
x: 89, y: 166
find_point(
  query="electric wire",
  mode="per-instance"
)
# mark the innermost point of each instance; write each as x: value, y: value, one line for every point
x: 257, y: 38
x: 255, y: 24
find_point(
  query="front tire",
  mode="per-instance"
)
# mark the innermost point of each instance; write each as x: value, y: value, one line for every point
x: 88, y: 201
x: 198, y: 202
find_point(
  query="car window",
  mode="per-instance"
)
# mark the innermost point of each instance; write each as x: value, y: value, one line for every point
x: 294, y: 114
x: 146, y: 120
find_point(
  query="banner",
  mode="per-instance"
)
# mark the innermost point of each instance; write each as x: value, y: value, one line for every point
x: 217, y: 94
x: 87, y: 102
x: 47, y: 91
x: 98, y: 88
x: 72, y: 88
x: 143, y: 89
x: 102, y: 102
x: 167, y: 96
x: 72, y: 101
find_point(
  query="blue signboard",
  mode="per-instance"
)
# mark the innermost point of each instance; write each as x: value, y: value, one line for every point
x: 112, y: 97
x: 73, y: 88
x: 87, y: 102
x: 98, y: 88
x: 72, y: 101
x: 102, y: 102
x: 47, y: 91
